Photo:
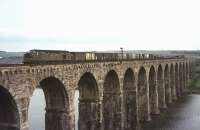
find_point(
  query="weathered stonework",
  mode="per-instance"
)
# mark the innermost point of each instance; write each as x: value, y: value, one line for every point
x: 113, y: 95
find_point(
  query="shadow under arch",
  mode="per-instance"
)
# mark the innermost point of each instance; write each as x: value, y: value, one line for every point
x: 187, y: 72
x: 56, y: 116
x: 184, y: 76
x: 88, y: 108
x: 152, y: 91
x: 9, y: 114
x: 111, y: 102
x: 129, y: 97
x: 172, y: 82
x: 161, y: 92
x: 181, y: 78
x: 177, y: 80
x: 142, y: 95
x: 167, y: 85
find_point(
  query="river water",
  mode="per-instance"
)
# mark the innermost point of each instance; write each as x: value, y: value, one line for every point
x: 184, y: 114
x: 36, y: 114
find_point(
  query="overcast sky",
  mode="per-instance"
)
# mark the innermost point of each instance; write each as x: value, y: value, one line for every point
x: 82, y: 25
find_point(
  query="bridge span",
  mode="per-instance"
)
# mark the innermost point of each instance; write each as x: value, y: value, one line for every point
x: 113, y: 95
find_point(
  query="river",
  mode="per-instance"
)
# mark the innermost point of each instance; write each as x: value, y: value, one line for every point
x: 184, y: 114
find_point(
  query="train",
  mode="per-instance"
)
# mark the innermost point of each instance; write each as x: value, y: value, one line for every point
x: 59, y: 56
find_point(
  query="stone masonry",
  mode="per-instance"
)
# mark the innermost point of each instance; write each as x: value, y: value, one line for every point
x: 113, y: 95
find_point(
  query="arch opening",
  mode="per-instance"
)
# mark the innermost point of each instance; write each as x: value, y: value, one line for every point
x: 9, y: 114
x: 111, y: 102
x: 181, y: 78
x: 190, y: 70
x: 167, y: 86
x: 142, y: 95
x: 161, y: 92
x: 56, y: 109
x: 172, y: 82
x: 187, y: 72
x: 36, y: 110
x: 88, y: 103
x: 152, y: 91
x: 177, y: 80
x: 129, y: 95
x: 184, y: 76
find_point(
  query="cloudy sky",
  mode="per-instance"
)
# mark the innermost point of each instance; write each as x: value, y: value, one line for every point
x: 82, y: 25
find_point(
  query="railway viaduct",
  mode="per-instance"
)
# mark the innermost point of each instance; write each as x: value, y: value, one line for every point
x: 113, y: 95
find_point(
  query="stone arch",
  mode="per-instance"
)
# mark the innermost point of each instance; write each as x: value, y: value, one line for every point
x: 181, y: 77
x: 88, y: 102
x: 129, y: 98
x: 153, y: 90
x: 161, y: 91
x: 15, y: 72
x: 32, y: 71
x: 9, y: 114
x: 57, y: 104
x: 6, y: 74
x: 111, y: 102
x: 177, y: 80
x: 172, y: 82
x: 142, y: 95
x: 28, y: 71
x: 10, y: 73
x: 167, y: 85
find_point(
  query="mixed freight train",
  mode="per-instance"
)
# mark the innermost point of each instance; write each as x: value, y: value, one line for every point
x: 58, y: 56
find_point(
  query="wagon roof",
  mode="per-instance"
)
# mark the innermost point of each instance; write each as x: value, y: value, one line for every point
x: 54, y: 51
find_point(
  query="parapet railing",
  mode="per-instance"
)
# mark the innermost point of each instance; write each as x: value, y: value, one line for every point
x: 88, y: 61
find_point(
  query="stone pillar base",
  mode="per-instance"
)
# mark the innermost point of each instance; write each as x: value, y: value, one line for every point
x: 164, y: 106
x: 170, y: 101
x: 148, y: 118
x: 138, y: 126
x: 174, y: 98
x: 156, y: 112
x: 24, y: 128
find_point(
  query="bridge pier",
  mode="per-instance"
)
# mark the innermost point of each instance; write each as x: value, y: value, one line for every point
x: 88, y: 119
x: 112, y: 102
x: 162, y: 104
x: 100, y: 116
x: 161, y: 87
x: 177, y: 81
x: 156, y: 109
x: 173, y: 85
x: 56, y: 119
x: 129, y: 106
x: 181, y: 80
x: 148, y: 116
x: 8, y: 126
x: 143, y: 96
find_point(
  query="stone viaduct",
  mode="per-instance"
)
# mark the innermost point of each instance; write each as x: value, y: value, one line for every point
x: 113, y: 95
